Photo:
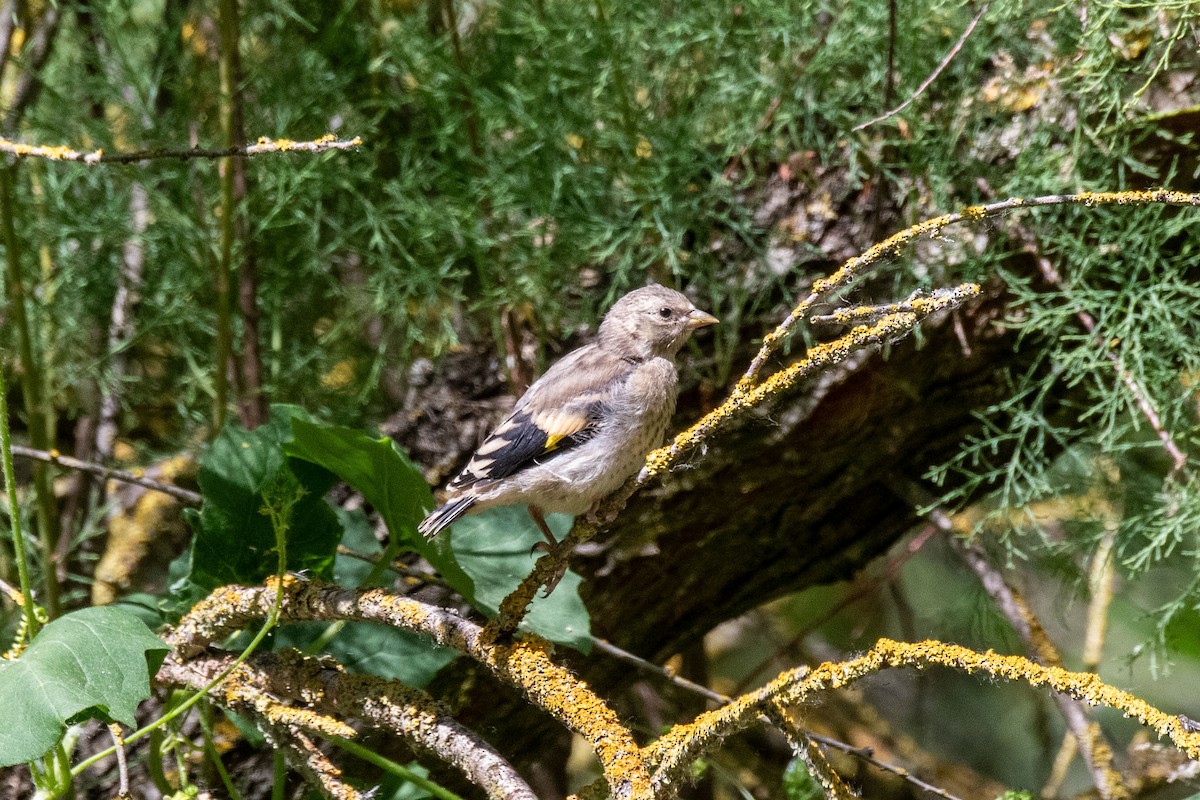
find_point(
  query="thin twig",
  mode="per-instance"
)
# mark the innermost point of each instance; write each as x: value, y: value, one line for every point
x: 263, y: 146
x: 53, y: 457
x: 867, y: 754
x: 945, y: 62
x: 1052, y: 276
x: 122, y: 768
x: 865, y: 585
x: 649, y: 666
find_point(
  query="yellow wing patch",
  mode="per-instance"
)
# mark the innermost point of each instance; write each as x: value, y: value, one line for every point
x: 558, y: 425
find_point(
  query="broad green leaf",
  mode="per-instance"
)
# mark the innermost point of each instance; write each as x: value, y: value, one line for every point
x: 373, y: 649
x: 234, y: 541
x: 494, y: 547
x: 92, y: 663
x: 388, y: 481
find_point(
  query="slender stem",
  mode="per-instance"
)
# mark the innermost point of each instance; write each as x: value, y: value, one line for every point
x: 214, y: 756
x: 31, y: 388
x: 279, y: 784
x: 14, y: 511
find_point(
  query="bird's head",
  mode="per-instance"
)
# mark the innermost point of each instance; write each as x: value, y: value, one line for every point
x: 651, y: 321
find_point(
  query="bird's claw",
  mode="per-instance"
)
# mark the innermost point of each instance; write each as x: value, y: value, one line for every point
x: 552, y: 551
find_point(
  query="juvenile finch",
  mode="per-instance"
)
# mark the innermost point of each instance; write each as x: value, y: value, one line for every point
x: 586, y: 425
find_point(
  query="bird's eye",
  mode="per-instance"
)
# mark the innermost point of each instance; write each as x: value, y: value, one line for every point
x: 666, y: 313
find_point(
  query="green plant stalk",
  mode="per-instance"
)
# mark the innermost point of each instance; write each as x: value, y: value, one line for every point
x: 31, y: 388
x: 214, y: 757
x: 280, y: 520
x: 31, y: 622
x: 154, y: 765
x: 279, y: 783
x: 54, y: 780
x: 392, y: 768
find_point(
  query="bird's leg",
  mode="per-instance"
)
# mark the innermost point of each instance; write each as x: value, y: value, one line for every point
x: 539, y: 519
x: 551, y: 547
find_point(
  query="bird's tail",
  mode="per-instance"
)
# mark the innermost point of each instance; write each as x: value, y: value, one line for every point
x: 444, y: 515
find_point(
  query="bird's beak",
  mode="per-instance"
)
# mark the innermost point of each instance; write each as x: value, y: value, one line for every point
x: 700, y: 319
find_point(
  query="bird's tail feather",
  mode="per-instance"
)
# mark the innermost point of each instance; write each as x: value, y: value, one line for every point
x: 444, y: 515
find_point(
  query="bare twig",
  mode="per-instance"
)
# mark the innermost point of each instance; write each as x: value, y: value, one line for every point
x: 611, y: 649
x: 925, y: 84
x: 53, y: 457
x: 120, y: 325
x: 251, y: 403
x: 8, y: 23
x: 263, y: 146
x: 122, y: 768
x: 868, y: 755
x: 865, y: 585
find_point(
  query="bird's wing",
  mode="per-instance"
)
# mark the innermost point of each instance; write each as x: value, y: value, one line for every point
x: 559, y: 411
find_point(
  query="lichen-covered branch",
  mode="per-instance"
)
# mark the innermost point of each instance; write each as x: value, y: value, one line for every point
x: 859, y: 265
x: 262, y: 146
x: 675, y: 751
x: 806, y: 749
x: 524, y: 664
x: 326, y: 689
x: 284, y: 725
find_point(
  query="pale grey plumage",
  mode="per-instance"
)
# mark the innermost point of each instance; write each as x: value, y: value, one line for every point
x: 586, y: 425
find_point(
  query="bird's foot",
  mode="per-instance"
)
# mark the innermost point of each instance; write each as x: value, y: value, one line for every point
x: 558, y: 553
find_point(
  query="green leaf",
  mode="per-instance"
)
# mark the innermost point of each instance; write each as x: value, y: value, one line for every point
x: 93, y: 663
x: 372, y: 649
x: 494, y: 547
x: 388, y: 481
x: 234, y: 541
x: 799, y: 784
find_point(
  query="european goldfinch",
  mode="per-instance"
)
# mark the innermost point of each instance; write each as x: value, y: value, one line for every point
x: 587, y: 425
